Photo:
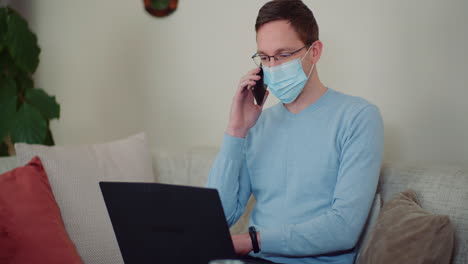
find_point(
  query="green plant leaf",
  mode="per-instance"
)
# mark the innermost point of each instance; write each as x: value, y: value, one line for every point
x: 7, y: 65
x: 160, y: 4
x: 3, y: 27
x: 7, y: 87
x: 3, y: 18
x: 29, y: 126
x: 7, y: 115
x: 24, y: 82
x: 3, y: 149
x: 22, y: 43
x: 49, y: 141
x: 7, y: 105
x: 46, y: 104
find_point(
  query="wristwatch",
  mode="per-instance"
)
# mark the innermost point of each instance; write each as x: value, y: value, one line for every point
x: 253, y: 237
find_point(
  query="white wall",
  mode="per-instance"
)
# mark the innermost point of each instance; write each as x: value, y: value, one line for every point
x: 93, y: 59
x: 116, y: 70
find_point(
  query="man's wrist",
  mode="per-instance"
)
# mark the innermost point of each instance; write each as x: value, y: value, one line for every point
x: 248, y: 242
x: 237, y: 132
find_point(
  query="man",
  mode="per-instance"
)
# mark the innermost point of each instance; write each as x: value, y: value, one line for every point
x: 312, y: 161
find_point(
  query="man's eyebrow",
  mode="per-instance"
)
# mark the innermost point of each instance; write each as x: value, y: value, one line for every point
x: 277, y: 51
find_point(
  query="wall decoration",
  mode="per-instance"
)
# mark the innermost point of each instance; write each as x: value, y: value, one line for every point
x: 160, y: 8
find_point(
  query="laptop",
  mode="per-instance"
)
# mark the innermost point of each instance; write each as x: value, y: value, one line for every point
x: 162, y: 223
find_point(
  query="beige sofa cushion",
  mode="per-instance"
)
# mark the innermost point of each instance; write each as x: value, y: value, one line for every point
x: 183, y: 166
x: 440, y: 190
x: 407, y: 234
x: 74, y: 173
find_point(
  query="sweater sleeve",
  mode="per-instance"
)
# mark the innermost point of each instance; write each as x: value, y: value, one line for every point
x: 229, y: 175
x: 338, y: 229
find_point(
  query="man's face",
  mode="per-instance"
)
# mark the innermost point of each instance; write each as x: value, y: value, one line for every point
x: 278, y: 37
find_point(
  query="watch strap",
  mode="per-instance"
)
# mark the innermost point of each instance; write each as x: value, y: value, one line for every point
x: 253, y: 237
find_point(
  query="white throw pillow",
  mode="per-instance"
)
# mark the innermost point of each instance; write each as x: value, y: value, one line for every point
x: 74, y: 173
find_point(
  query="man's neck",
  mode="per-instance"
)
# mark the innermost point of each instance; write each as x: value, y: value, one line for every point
x: 312, y: 91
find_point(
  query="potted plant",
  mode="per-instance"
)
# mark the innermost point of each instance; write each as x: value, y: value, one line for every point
x: 25, y: 111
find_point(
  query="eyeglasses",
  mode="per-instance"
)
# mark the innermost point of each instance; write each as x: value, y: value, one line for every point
x: 261, y: 59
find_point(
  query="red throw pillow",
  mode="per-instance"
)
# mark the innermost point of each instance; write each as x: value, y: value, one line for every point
x: 31, y: 228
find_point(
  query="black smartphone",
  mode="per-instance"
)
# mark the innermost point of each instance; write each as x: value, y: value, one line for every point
x: 259, y: 89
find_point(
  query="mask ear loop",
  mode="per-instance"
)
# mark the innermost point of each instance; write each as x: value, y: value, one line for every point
x: 310, y: 72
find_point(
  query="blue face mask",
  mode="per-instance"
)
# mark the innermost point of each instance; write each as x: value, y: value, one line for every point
x: 286, y: 80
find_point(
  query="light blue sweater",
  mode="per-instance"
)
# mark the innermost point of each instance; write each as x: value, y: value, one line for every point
x: 313, y: 174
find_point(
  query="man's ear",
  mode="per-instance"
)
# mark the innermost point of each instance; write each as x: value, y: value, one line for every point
x: 316, y: 51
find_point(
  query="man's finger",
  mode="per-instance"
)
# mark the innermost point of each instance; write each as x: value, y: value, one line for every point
x: 254, y: 71
x: 245, y: 85
x: 250, y: 78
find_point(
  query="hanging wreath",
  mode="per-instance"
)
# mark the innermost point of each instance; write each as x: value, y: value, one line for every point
x: 160, y: 8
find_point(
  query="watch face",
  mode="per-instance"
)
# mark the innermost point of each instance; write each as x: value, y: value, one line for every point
x: 160, y: 8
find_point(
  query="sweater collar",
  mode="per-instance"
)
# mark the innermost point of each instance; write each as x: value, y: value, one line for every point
x: 309, y: 109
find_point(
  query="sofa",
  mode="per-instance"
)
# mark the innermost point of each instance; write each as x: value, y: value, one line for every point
x: 441, y: 190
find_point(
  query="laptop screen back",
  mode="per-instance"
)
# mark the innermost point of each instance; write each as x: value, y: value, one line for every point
x: 160, y: 223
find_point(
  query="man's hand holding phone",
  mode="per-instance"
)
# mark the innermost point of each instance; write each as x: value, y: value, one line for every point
x: 244, y: 111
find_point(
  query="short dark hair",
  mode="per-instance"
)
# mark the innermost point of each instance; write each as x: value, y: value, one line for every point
x: 296, y: 13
